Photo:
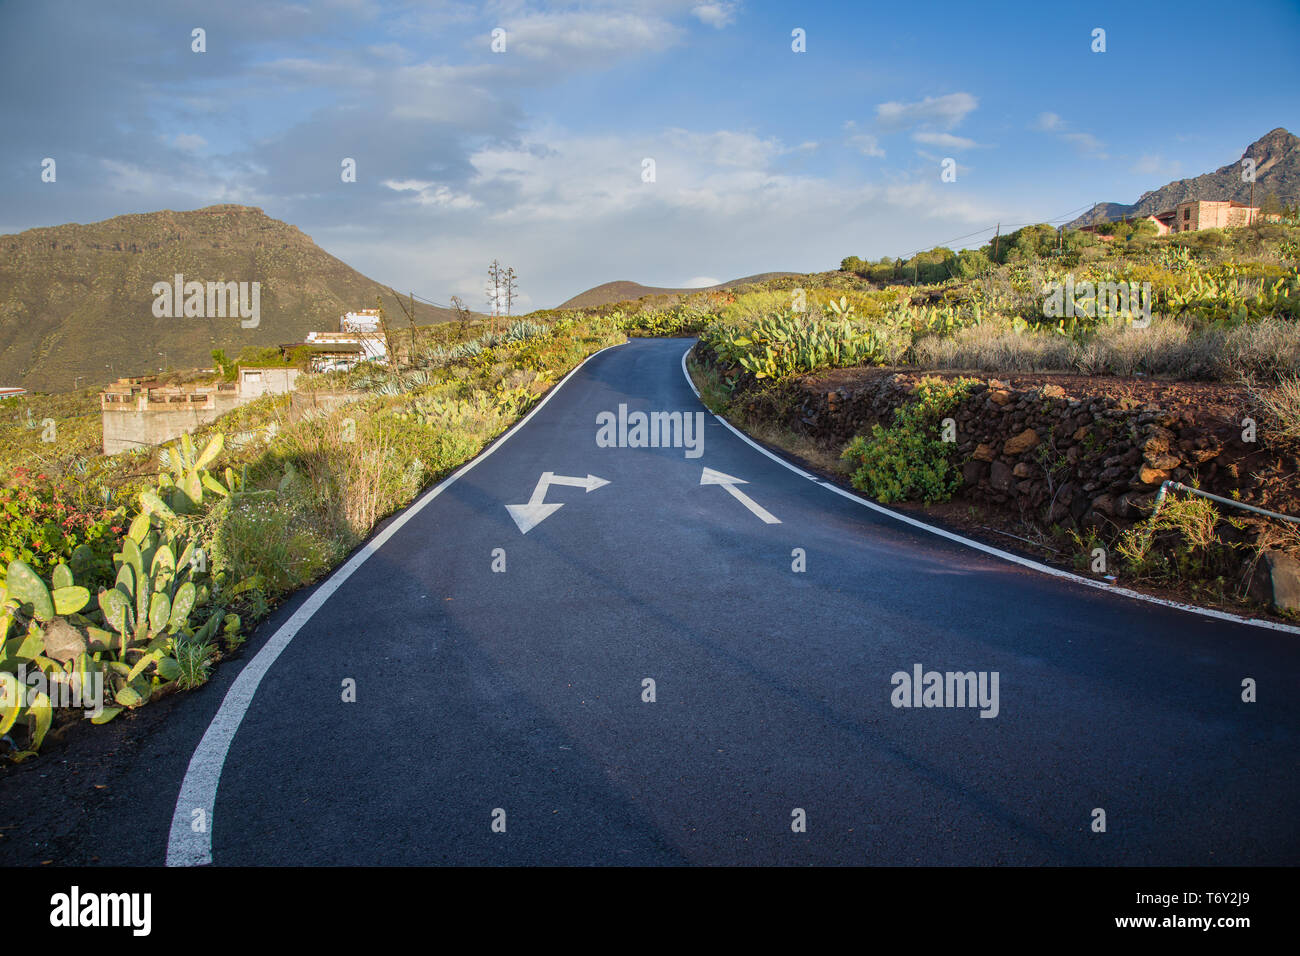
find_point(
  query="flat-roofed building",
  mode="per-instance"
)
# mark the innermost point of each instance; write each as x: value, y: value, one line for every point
x: 1196, y: 214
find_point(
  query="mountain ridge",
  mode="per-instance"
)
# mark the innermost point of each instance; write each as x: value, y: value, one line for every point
x: 76, y: 300
x: 624, y: 290
x: 1277, y: 173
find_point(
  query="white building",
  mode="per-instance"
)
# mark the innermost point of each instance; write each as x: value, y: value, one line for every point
x: 366, y: 346
x: 361, y: 320
x: 256, y: 382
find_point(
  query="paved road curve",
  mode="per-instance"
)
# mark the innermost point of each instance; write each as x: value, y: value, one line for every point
x: 523, y: 690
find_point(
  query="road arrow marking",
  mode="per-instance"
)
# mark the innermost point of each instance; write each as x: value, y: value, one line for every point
x: 530, y: 515
x: 711, y: 477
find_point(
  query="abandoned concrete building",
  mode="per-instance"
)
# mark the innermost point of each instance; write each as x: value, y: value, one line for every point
x: 139, y: 412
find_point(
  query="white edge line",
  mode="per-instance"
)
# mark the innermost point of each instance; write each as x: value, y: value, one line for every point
x: 737, y: 432
x: 988, y: 549
x: 188, y: 846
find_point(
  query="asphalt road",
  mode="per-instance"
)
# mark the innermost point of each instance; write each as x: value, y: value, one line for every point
x: 522, y: 691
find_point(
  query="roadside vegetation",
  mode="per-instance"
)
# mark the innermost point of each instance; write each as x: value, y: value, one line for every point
x: 909, y: 460
x: 148, y: 567
x: 143, y: 570
x: 1224, y: 309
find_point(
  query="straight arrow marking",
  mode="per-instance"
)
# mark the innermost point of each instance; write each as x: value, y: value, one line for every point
x: 711, y: 477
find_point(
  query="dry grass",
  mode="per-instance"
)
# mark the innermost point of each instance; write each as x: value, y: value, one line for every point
x: 1269, y: 347
x: 1168, y: 347
x: 801, y: 446
x: 1282, y: 402
x: 353, y: 468
x: 994, y: 347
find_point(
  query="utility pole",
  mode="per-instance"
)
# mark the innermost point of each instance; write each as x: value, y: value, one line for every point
x: 410, y: 317
x: 462, y: 315
x: 383, y: 326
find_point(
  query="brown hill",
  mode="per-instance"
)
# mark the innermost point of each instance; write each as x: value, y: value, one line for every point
x: 626, y: 291
x: 1277, y: 174
x: 76, y: 301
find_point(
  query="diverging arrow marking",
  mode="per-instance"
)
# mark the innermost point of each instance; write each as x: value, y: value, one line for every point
x: 711, y: 477
x: 529, y: 516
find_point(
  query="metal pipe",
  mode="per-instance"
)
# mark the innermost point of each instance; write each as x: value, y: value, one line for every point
x: 1160, y: 497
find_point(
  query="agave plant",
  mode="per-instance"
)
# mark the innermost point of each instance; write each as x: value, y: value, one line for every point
x: 469, y: 349
x: 522, y: 330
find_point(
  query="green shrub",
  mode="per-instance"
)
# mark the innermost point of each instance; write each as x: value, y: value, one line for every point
x: 228, y: 370
x: 970, y: 263
x: 1179, y: 543
x: 268, y: 539
x: 909, y: 460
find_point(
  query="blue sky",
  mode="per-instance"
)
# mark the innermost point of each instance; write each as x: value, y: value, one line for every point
x: 765, y: 159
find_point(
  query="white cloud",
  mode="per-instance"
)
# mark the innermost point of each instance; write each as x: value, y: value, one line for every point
x: 1081, y: 141
x: 587, y: 38
x: 439, y: 94
x: 1087, y: 142
x: 700, y: 282
x: 864, y: 143
x: 573, y: 179
x: 728, y: 148
x: 457, y: 169
x: 392, y: 52
x: 570, y: 211
x: 717, y: 15
x: 406, y: 185
x: 178, y: 185
x: 190, y: 142
x: 431, y: 194
x: 946, y: 140
x: 942, y: 111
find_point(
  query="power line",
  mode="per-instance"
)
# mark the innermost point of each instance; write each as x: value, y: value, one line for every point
x: 419, y: 298
x: 1011, y: 225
